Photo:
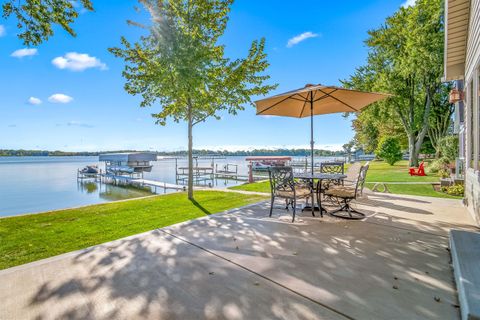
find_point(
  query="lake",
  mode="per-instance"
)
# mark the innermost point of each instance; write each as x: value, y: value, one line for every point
x: 36, y: 184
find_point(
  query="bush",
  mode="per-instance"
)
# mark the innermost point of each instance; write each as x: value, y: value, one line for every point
x: 455, y: 190
x: 437, y: 165
x: 389, y: 150
x: 448, y: 147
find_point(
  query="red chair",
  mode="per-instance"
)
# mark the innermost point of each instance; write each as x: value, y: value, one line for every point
x: 420, y: 171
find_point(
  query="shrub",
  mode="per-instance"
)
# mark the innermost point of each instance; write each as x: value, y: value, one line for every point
x: 389, y: 150
x: 448, y: 147
x: 455, y: 190
x: 438, y: 165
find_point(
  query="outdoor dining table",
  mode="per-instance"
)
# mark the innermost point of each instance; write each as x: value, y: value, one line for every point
x: 320, y: 177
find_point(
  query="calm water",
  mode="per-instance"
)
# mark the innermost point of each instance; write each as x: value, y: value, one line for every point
x: 35, y: 184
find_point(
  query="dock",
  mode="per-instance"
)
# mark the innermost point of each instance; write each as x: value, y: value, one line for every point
x: 144, y: 182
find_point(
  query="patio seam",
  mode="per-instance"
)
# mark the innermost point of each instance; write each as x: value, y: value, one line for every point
x: 404, y: 228
x: 259, y: 275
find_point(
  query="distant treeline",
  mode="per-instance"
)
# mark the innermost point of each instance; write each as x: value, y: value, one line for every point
x: 255, y: 152
x: 259, y: 152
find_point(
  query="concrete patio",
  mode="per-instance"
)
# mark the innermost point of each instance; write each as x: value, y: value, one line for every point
x: 244, y: 265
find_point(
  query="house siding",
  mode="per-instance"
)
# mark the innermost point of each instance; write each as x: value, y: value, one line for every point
x: 472, y: 141
x: 473, y: 42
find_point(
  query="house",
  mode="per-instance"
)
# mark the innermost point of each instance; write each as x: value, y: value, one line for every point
x: 462, y: 64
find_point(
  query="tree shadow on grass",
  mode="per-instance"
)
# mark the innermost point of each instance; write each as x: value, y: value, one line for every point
x: 199, y: 206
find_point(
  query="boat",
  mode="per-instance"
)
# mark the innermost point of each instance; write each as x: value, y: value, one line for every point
x: 128, y: 162
x: 92, y: 169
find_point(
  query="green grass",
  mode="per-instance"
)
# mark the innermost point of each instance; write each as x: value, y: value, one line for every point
x: 32, y: 237
x: 262, y: 186
x: 380, y: 171
x: 415, y: 190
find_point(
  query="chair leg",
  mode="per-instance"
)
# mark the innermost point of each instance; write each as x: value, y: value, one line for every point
x: 271, y: 206
x: 294, y: 208
x: 352, y: 213
x: 313, y: 206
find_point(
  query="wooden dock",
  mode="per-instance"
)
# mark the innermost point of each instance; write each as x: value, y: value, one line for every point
x: 144, y: 182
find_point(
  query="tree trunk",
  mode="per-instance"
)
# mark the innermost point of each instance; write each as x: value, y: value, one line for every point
x: 190, y: 153
x: 412, y: 154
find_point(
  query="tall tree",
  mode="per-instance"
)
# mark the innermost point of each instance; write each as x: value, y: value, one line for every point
x: 440, y: 118
x: 406, y: 59
x: 36, y: 18
x: 180, y: 65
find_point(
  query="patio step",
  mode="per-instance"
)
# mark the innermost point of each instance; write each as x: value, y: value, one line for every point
x: 465, y: 250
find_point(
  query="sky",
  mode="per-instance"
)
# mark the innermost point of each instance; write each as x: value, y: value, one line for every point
x: 67, y: 93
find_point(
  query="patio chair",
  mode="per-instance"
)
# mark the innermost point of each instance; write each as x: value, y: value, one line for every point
x: 283, y: 185
x: 330, y: 167
x: 345, y: 194
x: 420, y: 171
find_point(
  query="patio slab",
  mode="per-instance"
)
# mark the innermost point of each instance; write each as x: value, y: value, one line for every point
x: 245, y: 265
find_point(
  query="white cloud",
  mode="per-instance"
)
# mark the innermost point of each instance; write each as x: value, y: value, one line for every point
x: 75, y: 61
x: 26, y: 52
x: 3, y: 31
x: 60, y: 98
x: 79, y: 124
x: 301, y: 37
x: 409, y: 3
x: 34, y: 101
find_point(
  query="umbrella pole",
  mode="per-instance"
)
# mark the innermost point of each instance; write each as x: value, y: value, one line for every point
x: 311, y: 129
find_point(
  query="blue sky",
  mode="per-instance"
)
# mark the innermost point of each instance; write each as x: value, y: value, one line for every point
x: 84, y: 107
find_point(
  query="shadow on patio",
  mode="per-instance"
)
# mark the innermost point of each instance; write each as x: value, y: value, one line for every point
x: 244, y: 265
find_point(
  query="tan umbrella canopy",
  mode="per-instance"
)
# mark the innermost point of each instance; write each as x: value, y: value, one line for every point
x: 314, y: 100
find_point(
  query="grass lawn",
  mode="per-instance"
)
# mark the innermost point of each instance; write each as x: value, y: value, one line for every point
x: 415, y: 190
x: 32, y: 237
x: 262, y: 186
x: 380, y: 171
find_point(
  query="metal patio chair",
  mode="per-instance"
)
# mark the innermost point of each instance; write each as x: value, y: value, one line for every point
x: 283, y: 185
x: 345, y: 194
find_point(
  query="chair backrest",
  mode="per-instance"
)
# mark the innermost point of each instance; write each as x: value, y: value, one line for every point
x: 353, y: 171
x: 362, y: 175
x: 332, y: 167
x: 281, y: 179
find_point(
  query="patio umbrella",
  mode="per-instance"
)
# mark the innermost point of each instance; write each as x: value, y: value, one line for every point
x: 314, y: 100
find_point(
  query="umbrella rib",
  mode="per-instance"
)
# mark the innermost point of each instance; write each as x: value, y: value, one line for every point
x: 303, y: 108
x: 275, y: 104
x: 338, y: 100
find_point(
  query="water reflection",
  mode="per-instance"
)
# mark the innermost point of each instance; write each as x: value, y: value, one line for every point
x: 110, y: 192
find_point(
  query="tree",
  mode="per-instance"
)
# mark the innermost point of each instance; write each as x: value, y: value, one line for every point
x: 347, y: 148
x: 406, y: 59
x: 36, y: 18
x: 180, y: 65
x: 389, y: 150
x: 440, y: 118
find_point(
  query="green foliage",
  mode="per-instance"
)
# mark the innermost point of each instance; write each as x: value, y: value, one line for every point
x: 389, y: 150
x: 438, y: 165
x: 405, y: 59
x: 448, y: 147
x: 181, y: 66
x: 35, y: 18
x: 455, y: 190
x: 444, y: 173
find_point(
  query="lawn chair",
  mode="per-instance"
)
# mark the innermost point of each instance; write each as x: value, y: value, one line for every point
x: 345, y: 194
x: 420, y: 171
x: 283, y: 185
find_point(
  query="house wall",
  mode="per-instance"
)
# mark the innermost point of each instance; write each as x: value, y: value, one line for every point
x: 472, y: 108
